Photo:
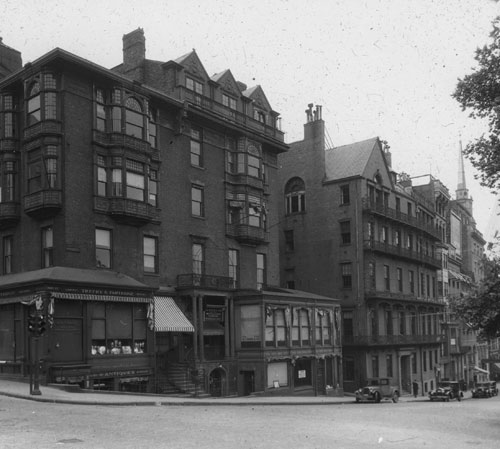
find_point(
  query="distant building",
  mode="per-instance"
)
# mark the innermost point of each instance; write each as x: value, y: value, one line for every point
x: 138, y: 216
x: 355, y: 230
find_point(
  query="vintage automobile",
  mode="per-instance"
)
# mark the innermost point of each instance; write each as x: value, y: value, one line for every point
x: 482, y: 390
x: 447, y: 390
x: 376, y: 390
x: 493, y: 388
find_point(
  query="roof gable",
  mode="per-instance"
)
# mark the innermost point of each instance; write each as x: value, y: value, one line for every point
x: 227, y: 83
x: 193, y: 65
x: 258, y: 96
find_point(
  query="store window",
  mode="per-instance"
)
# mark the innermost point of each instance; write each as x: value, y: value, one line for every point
x: 277, y: 374
x: 276, y: 334
x: 250, y: 316
x: 103, y: 248
x: 295, y: 196
x: 150, y: 245
x: 302, y: 373
x: 47, y: 247
x: 301, y: 328
x: 118, y: 328
x: 323, y: 328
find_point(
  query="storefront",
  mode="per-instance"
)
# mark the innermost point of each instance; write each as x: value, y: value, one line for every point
x: 97, y: 329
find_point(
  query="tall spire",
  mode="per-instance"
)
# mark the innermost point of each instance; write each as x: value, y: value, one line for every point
x: 462, y: 191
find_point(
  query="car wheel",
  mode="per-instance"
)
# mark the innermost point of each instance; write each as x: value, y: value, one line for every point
x: 377, y: 397
x: 357, y: 400
x: 395, y: 397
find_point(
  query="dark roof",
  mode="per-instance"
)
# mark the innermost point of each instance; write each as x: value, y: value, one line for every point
x: 96, y: 278
x: 348, y: 161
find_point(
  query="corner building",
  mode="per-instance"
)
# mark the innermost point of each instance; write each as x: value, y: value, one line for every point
x: 354, y: 230
x: 137, y: 213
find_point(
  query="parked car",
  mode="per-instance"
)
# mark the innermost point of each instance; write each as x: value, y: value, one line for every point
x: 376, y: 390
x: 482, y: 390
x: 447, y: 390
x: 493, y: 388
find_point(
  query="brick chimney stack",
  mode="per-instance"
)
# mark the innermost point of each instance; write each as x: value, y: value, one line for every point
x: 10, y: 60
x: 134, y: 53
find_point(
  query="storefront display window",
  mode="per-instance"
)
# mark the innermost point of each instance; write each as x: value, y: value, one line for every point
x: 118, y: 329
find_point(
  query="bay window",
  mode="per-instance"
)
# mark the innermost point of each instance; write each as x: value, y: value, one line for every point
x: 41, y: 94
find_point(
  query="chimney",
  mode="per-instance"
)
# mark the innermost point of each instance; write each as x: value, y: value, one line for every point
x: 134, y: 49
x: 10, y: 60
x: 314, y: 127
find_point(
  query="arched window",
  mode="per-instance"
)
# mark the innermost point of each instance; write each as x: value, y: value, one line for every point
x: 295, y: 196
x: 134, y: 120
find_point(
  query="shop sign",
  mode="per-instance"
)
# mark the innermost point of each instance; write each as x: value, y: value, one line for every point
x: 214, y: 314
x: 302, y: 374
x: 120, y: 373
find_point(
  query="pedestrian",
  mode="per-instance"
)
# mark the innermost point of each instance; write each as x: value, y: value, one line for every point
x: 415, y: 388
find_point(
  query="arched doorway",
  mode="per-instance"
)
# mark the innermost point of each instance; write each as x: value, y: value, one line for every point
x: 217, y: 382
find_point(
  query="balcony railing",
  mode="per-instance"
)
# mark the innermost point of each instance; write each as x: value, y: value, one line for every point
x: 383, y: 340
x: 230, y: 114
x: 42, y: 128
x: 44, y: 202
x: 128, y: 210
x: 8, y: 145
x: 247, y: 234
x: 121, y: 140
x: 193, y: 280
x: 400, y: 296
x: 396, y: 215
x: 401, y: 252
x: 9, y: 214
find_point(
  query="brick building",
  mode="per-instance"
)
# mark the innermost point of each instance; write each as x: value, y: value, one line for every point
x: 138, y: 216
x: 354, y: 230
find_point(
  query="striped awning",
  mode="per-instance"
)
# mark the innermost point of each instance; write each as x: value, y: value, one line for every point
x: 168, y: 316
x: 103, y: 297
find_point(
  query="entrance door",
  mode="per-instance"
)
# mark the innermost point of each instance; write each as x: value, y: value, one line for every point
x: 217, y: 381
x: 248, y: 382
x: 405, y: 373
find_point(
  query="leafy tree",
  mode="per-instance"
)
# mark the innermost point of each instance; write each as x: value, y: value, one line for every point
x: 479, y: 92
x: 481, y: 308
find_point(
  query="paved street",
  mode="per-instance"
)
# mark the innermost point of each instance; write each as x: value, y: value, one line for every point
x: 38, y: 425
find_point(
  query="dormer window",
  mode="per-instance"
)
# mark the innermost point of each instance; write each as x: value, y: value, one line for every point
x: 259, y: 115
x: 194, y: 85
x: 228, y: 101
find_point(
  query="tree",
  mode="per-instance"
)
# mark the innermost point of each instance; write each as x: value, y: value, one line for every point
x: 481, y: 308
x: 479, y: 93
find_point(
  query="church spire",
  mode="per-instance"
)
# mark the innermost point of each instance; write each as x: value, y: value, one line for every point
x: 462, y: 193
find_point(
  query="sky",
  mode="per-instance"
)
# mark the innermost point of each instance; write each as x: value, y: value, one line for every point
x: 383, y: 68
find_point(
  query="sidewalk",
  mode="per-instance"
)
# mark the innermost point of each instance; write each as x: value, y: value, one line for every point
x: 54, y: 394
